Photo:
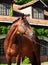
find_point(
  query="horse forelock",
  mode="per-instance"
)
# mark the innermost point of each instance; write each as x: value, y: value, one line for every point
x: 25, y: 21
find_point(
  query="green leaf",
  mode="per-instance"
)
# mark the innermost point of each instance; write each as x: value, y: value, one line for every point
x: 46, y: 32
x: 26, y: 60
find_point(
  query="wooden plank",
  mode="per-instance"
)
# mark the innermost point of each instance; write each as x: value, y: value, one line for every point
x: 37, y: 22
x: 6, y: 21
x: 7, y: 18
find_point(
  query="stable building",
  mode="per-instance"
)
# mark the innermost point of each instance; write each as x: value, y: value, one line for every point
x: 38, y: 17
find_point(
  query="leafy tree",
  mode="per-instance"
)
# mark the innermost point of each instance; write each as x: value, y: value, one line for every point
x: 4, y: 29
x: 22, y: 1
x: 46, y: 1
x: 46, y: 32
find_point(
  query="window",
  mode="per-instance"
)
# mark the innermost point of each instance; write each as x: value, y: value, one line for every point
x: 40, y: 14
x: 4, y: 9
x: 37, y: 13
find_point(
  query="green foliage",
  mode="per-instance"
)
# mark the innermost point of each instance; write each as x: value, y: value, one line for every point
x: 11, y: 10
x: 26, y: 60
x: 22, y: 1
x: 46, y: 1
x: 25, y: 1
x: 4, y: 29
x: 41, y: 31
x: 46, y: 32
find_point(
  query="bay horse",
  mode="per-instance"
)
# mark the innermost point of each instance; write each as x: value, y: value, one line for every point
x: 21, y: 41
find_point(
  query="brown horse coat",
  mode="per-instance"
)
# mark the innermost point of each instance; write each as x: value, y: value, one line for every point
x: 21, y: 41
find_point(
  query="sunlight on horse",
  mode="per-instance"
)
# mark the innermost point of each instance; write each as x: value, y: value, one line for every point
x: 21, y: 41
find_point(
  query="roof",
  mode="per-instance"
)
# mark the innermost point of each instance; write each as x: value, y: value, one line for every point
x: 16, y: 7
x: 31, y: 3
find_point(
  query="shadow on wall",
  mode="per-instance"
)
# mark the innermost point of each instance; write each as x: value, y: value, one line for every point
x: 17, y: 14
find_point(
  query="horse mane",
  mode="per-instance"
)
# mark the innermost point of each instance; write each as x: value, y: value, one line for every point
x: 24, y: 18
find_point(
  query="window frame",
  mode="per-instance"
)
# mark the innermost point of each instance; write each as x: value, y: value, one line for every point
x: 4, y: 9
x: 37, y: 10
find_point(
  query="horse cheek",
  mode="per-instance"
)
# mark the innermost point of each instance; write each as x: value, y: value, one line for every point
x: 20, y: 29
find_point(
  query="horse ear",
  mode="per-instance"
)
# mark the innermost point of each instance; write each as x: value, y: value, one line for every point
x: 25, y: 15
x: 22, y: 17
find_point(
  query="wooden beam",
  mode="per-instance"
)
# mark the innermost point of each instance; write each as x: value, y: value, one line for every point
x: 37, y: 22
x: 7, y: 18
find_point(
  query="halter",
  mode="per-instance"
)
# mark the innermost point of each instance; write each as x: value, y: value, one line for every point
x: 31, y: 34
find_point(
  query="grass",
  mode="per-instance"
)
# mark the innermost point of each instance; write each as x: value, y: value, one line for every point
x: 15, y: 64
x: 43, y: 63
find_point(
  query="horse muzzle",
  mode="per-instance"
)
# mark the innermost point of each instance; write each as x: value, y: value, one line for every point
x: 31, y: 35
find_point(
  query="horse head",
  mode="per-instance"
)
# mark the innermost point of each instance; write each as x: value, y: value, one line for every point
x: 23, y: 26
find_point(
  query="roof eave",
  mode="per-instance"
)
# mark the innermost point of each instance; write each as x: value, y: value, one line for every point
x: 43, y: 3
x: 28, y: 4
x: 31, y: 3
